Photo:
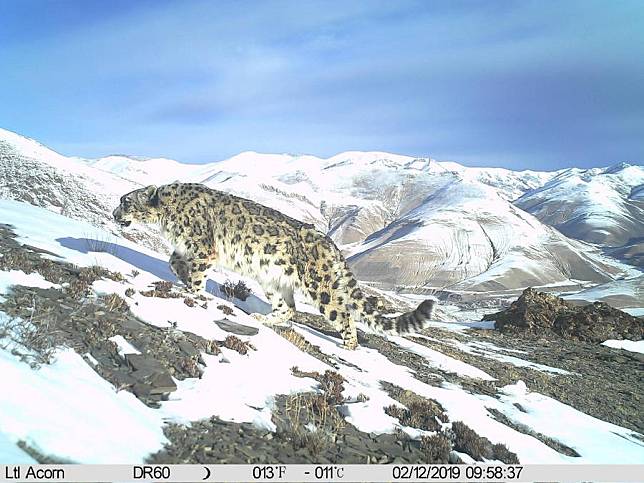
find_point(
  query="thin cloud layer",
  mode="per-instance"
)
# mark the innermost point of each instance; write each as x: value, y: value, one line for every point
x: 516, y: 84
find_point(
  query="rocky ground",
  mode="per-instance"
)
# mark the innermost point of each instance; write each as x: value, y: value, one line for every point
x: 605, y: 383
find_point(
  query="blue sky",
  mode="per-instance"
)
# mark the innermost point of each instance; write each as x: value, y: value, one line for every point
x: 542, y: 85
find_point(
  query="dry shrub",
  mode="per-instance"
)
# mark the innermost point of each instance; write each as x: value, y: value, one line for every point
x: 236, y: 344
x: 331, y: 384
x: 238, y: 290
x: 294, y: 338
x: 502, y: 453
x: 312, y: 422
x: 162, y: 289
x: 189, y: 302
x: 114, y: 302
x: 420, y: 412
x: 95, y: 272
x: 33, y: 341
x: 304, y: 345
x: 212, y: 348
x: 225, y: 309
x: 437, y: 448
x: 479, y: 447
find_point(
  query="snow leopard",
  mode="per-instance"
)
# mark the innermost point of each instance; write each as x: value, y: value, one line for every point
x: 208, y: 227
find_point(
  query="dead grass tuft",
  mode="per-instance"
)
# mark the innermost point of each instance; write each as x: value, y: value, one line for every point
x: 115, y: 303
x: 465, y: 440
x: 437, y: 448
x: 236, y: 344
x: 302, y: 344
x: 296, y: 339
x: 33, y: 340
x: 189, y: 302
x: 331, y: 384
x: 421, y: 413
x: 212, y: 348
x: 312, y: 422
x: 238, y: 290
x: 162, y: 289
x: 225, y: 309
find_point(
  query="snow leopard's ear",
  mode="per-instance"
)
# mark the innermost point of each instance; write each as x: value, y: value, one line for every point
x: 152, y: 195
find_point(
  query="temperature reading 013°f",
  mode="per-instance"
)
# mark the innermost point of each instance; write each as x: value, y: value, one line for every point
x: 269, y: 472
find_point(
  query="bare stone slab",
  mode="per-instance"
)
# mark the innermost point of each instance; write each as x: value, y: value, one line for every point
x: 235, y: 328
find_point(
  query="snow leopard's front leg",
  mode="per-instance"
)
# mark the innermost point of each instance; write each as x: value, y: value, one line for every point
x: 197, y: 269
x: 179, y: 267
x: 283, y: 304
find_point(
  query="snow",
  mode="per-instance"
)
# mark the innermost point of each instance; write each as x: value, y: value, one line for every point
x: 12, y: 454
x: 545, y: 414
x: 635, y: 312
x: 594, y: 204
x: 596, y: 440
x: 628, y: 287
x: 440, y: 360
x: 249, y: 383
x: 18, y: 277
x: 628, y: 345
x: 123, y: 347
x: 68, y: 410
x: 491, y: 351
x: 347, y: 195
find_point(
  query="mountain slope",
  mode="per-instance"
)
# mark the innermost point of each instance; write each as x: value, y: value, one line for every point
x: 33, y: 173
x: 602, y: 206
x: 465, y: 236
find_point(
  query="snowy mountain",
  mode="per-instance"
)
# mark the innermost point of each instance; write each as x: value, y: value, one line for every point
x: 143, y: 171
x: 602, y: 206
x: 465, y: 236
x: 405, y: 223
x: 38, y: 175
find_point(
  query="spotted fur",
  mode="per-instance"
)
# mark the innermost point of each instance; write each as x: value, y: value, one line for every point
x: 209, y: 227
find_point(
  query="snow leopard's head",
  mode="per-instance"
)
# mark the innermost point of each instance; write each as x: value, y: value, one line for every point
x: 138, y: 206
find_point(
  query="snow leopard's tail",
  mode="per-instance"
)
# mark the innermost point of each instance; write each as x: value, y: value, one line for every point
x: 408, y: 322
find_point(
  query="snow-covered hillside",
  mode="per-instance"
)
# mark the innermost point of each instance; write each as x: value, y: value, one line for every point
x: 38, y: 175
x: 465, y: 236
x: 602, y: 206
x: 406, y: 223
x: 143, y: 171
x: 40, y: 405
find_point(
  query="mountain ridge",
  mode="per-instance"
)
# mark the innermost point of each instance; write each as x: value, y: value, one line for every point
x: 467, y: 234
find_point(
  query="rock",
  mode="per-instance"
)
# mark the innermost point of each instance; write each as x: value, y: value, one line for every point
x: 546, y: 314
x: 142, y: 362
x: 162, y: 383
x: 235, y: 328
x: 153, y: 382
x: 133, y: 325
x: 187, y: 348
